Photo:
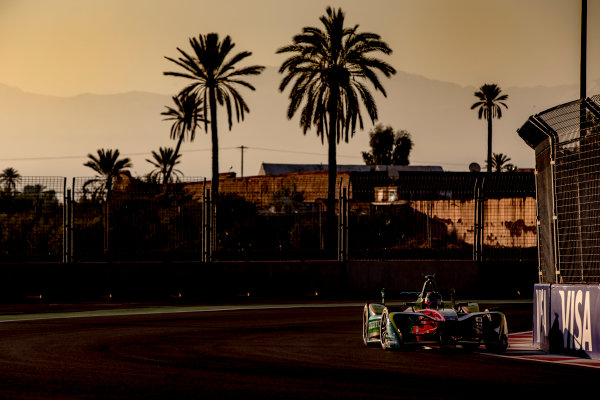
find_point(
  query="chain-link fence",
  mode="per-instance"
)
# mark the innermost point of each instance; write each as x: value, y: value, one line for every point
x: 31, y: 218
x: 272, y: 217
x: 447, y: 216
x: 567, y: 143
x: 134, y: 220
x: 413, y: 215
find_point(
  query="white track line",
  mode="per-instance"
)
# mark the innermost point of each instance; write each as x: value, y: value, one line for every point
x: 521, y: 347
x: 178, y: 310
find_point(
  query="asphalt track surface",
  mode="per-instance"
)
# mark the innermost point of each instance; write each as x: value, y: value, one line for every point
x: 270, y: 353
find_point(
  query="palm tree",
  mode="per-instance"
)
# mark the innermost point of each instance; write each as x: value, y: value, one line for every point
x: 215, y: 78
x: 331, y: 69
x: 489, y: 104
x: 186, y: 116
x: 164, y: 162
x: 10, y: 177
x: 500, y: 163
x: 108, y: 168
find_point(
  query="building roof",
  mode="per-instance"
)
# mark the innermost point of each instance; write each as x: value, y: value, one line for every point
x: 280, y: 169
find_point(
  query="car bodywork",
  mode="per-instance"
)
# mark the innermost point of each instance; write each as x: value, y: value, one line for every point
x: 445, y: 324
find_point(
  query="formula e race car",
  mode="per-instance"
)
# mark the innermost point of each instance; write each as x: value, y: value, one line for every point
x: 431, y: 323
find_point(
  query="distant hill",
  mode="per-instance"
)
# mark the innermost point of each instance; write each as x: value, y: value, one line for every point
x: 60, y: 131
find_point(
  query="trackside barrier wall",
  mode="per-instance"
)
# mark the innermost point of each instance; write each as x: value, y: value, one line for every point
x: 541, y: 316
x: 565, y: 319
x: 223, y: 281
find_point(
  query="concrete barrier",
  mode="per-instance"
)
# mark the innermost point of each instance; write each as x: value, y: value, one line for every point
x: 357, y: 280
x: 566, y: 319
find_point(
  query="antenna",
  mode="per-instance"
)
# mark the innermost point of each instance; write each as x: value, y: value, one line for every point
x: 242, y: 147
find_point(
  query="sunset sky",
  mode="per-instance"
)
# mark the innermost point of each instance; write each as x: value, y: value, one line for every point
x: 70, y: 47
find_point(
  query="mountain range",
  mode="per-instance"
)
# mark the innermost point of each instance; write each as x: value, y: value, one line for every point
x: 46, y: 135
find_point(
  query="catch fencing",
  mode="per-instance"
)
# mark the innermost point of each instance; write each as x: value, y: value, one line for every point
x: 477, y: 216
x: 566, y: 140
x: 133, y: 220
x: 32, y: 221
x: 412, y: 215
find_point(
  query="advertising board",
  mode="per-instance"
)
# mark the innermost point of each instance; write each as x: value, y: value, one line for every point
x: 541, y: 316
x: 566, y: 319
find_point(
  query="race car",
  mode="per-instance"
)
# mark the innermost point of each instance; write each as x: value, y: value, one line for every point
x: 429, y: 322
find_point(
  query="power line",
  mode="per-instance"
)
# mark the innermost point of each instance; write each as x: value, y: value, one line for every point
x: 274, y: 150
x: 294, y: 152
x: 339, y: 155
x: 42, y: 158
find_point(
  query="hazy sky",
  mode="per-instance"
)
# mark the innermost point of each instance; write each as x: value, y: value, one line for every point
x: 70, y: 47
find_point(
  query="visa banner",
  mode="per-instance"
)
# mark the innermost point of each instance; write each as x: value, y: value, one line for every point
x: 541, y: 316
x: 567, y: 319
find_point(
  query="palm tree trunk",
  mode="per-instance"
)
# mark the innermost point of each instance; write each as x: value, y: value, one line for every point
x: 331, y: 241
x: 489, y: 143
x: 170, y: 171
x: 214, y: 185
x: 215, y: 142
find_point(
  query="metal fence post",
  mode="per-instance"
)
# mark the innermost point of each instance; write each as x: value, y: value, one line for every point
x: 212, y: 234
x: 479, y: 219
x: 343, y: 224
x: 204, y: 223
x: 555, y: 231
x: 346, y: 222
x: 206, y: 226
x: 340, y: 223
x: 66, y: 226
x: 476, y: 220
x: 538, y: 229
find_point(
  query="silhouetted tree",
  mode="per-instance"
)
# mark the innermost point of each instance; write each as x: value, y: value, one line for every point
x: 215, y: 78
x: 164, y: 162
x: 186, y: 116
x: 488, y: 107
x: 500, y: 163
x: 387, y: 147
x: 108, y: 168
x: 9, y: 178
x: 331, y: 69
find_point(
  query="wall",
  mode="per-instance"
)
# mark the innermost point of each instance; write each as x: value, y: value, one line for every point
x: 225, y: 281
x: 565, y: 319
x: 509, y: 222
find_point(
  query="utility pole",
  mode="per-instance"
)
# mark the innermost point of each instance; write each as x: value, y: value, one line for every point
x: 583, y: 84
x: 242, y: 147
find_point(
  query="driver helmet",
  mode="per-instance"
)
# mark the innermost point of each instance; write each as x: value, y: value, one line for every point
x: 433, y: 300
